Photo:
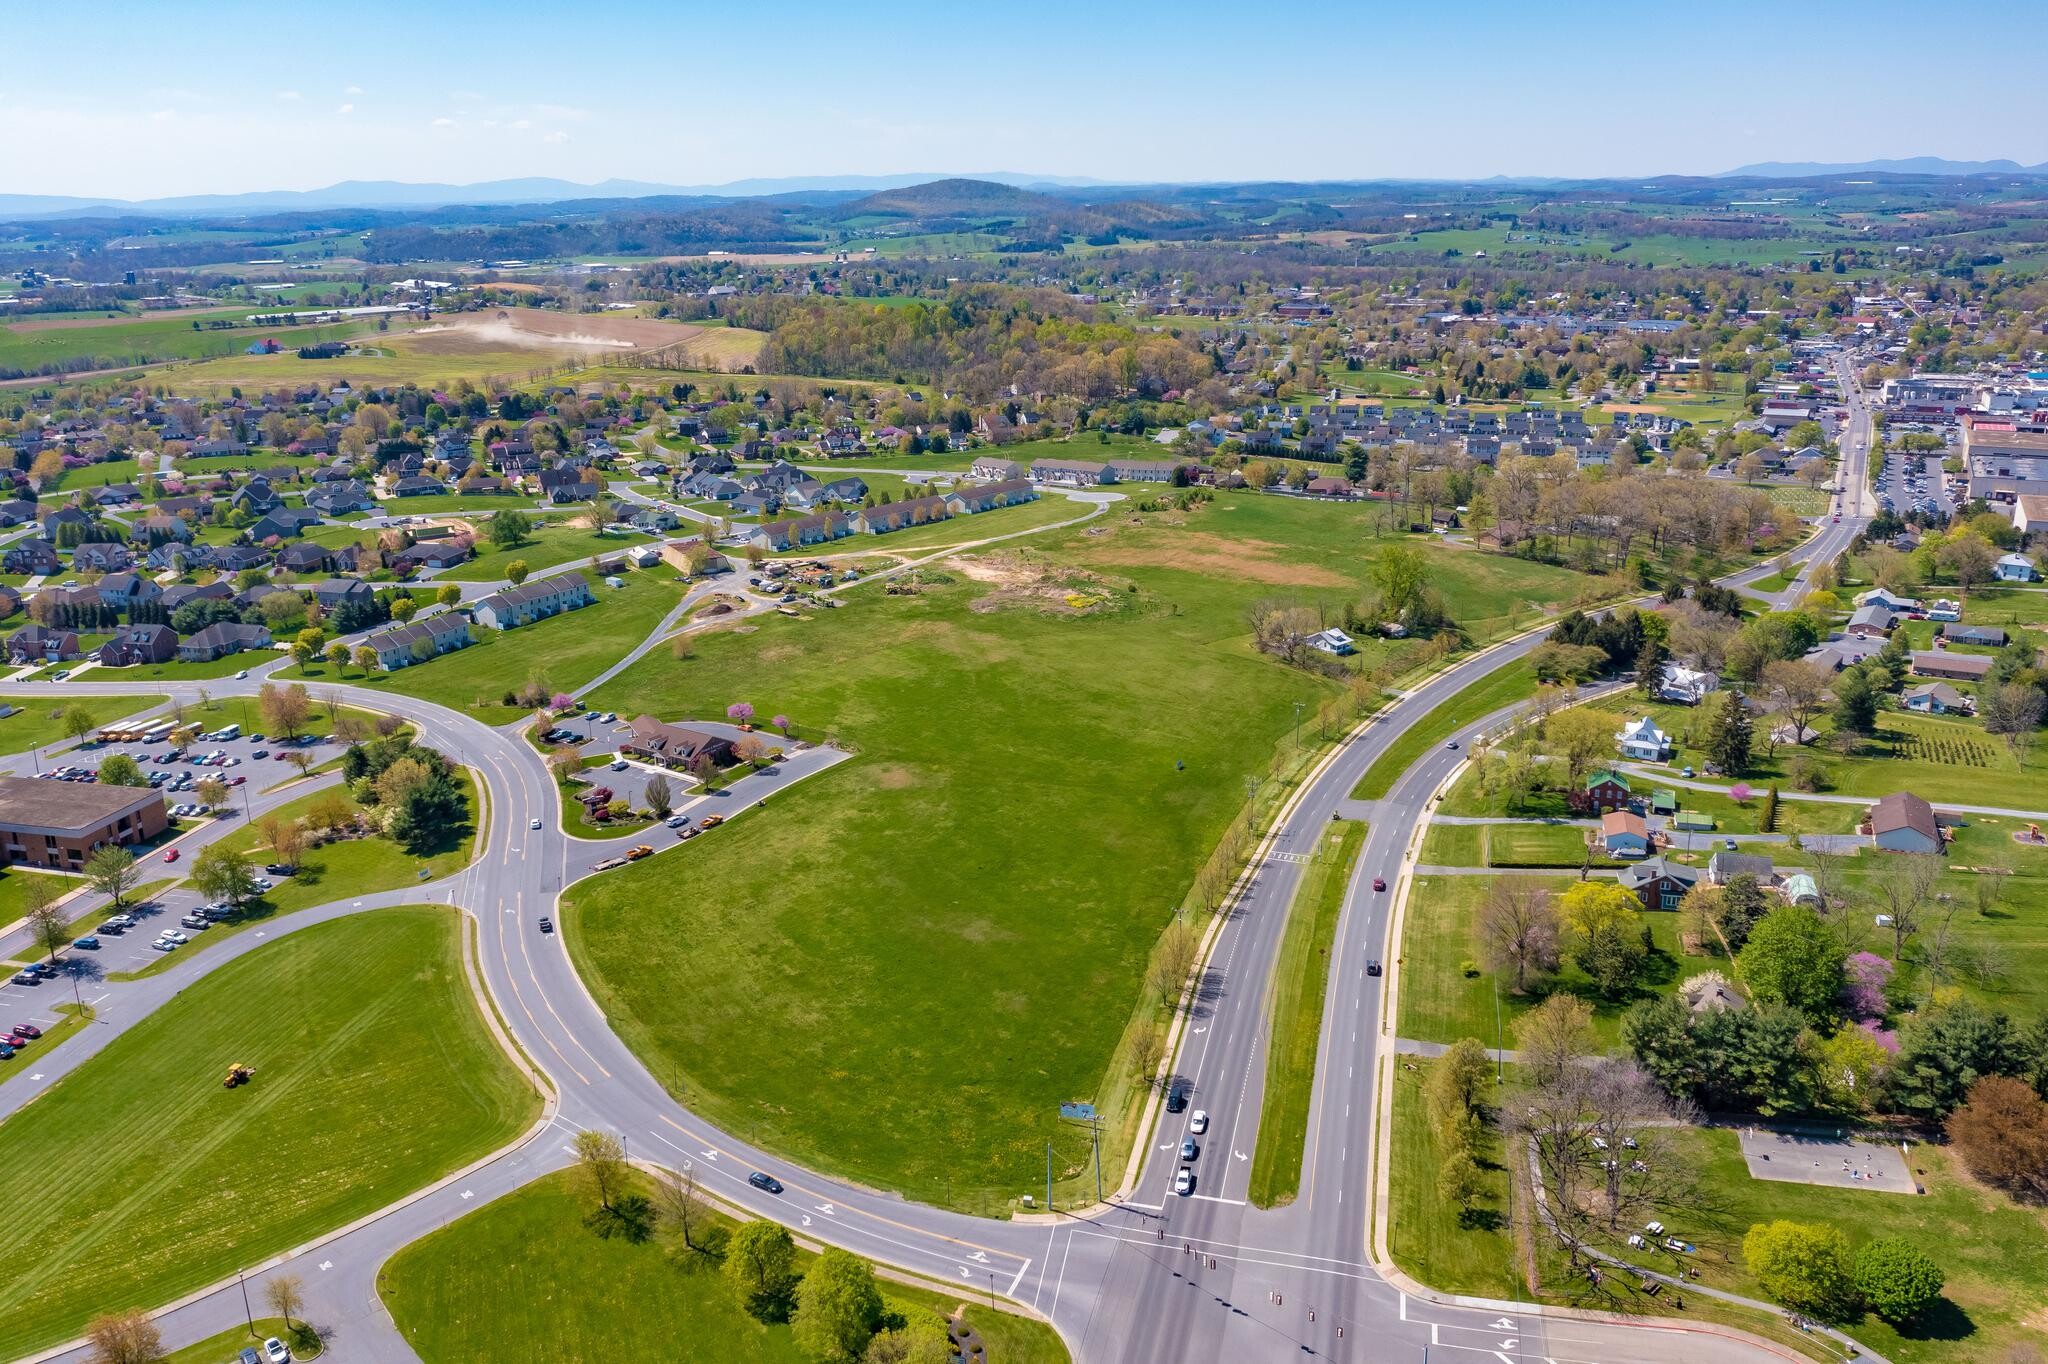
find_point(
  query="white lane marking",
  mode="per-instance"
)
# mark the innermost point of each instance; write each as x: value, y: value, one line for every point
x: 468, y: 1194
x: 1212, y: 1198
x: 326, y: 1264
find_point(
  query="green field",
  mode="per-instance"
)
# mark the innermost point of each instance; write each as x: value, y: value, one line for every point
x: 31, y: 348
x: 1300, y: 980
x: 1449, y: 1251
x: 957, y: 530
x: 549, y: 545
x: 566, y: 650
x: 1445, y: 995
x: 522, y: 1278
x: 824, y: 920
x: 139, y: 1178
x: 37, y: 720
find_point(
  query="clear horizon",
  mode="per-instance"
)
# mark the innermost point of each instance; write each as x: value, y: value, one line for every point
x: 371, y: 90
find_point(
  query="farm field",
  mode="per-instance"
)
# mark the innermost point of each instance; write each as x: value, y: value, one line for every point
x: 984, y: 677
x: 139, y: 1177
x: 29, y: 347
x: 525, y: 1269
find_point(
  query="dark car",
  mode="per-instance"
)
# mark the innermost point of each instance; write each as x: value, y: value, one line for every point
x: 1379, y: 883
x: 1177, y: 1099
x: 1372, y: 968
x: 88, y: 942
x: 768, y: 1183
x: 547, y: 925
x: 28, y: 1030
x: 260, y: 753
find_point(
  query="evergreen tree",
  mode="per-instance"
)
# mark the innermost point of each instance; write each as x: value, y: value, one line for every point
x: 1728, y: 738
x: 1650, y: 663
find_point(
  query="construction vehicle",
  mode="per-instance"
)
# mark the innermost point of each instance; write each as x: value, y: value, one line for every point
x: 238, y: 1074
x: 635, y: 854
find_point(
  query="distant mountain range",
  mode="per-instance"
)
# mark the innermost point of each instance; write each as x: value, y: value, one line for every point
x: 1911, y: 165
x: 396, y: 194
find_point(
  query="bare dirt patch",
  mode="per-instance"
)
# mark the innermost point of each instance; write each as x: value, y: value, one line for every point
x: 500, y: 329
x: 1023, y: 579
x: 895, y: 777
x: 1218, y: 556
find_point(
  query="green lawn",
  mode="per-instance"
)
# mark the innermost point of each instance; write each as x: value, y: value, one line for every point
x: 37, y: 721
x: 1502, y: 687
x: 1450, y: 1251
x: 139, y: 1177
x: 133, y: 341
x: 1300, y: 979
x: 522, y: 1278
x: 1442, y: 1000
x: 178, y: 670
x: 14, y: 884
x: 549, y: 545
x: 567, y: 651
x: 339, y: 871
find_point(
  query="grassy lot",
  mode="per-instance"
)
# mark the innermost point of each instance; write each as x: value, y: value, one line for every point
x: 139, y: 1177
x: 130, y: 341
x: 1502, y: 687
x: 958, y: 530
x: 1798, y: 499
x: 339, y: 871
x: 1467, y: 797
x: 1538, y: 845
x: 1445, y: 995
x: 1447, y: 1249
x: 36, y: 720
x: 1300, y: 980
x: 524, y: 1270
x: 14, y: 884
x: 1454, y: 845
x: 1994, y: 1252
x: 566, y: 650
x: 178, y: 670
x: 549, y: 545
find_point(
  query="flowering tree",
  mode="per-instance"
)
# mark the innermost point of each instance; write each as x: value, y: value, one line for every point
x: 1864, y: 978
x: 1883, y: 1036
x: 782, y: 722
x: 740, y: 713
x: 561, y: 700
x: 1740, y: 792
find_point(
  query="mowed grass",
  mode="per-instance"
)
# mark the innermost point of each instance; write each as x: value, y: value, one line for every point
x: 1442, y: 1000
x: 567, y: 651
x: 1500, y: 688
x: 1300, y: 980
x: 130, y: 341
x: 139, y: 1177
x: 339, y: 871
x: 38, y: 720
x: 522, y: 1278
x: 1450, y: 1250
x: 550, y: 544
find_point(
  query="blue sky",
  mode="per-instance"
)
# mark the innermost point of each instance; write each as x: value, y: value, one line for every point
x: 180, y: 97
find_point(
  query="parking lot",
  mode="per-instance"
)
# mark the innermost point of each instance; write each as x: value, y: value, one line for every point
x: 1912, y: 483
x: 247, y: 763
x: 595, y: 737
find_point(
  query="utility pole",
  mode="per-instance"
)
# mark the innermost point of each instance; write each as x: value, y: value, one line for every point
x: 246, y: 1312
x: 1048, y: 1176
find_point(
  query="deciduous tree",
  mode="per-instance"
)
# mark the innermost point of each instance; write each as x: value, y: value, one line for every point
x: 1803, y: 1266
x: 838, y: 1307
x: 760, y: 1266
x: 1518, y: 931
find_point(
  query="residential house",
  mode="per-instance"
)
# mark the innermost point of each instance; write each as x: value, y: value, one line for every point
x: 2016, y: 568
x: 285, y: 523
x: 433, y: 554
x: 1142, y: 470
x: 340, y: 498
x: 1070, y: 473
x: 134, y: 644
x: 1983, y: 636
x: 655, y: 518
x: 1600, y: 792
x: 1902, y: 822
x: 1659, y: 884
x: 1953, y: 667
x: 1870, y: 622
x: 101, y: 556
x: 1331, y: 486
x: 1332, y: 641
x: 894, y: 516
x: 414, y: 485
x: 1724, y: 866
x: 995, y: 469
x: 333, y: 592
x: 535, y: 599
x: 41, y: 644
x: 1890, y: 601
x: 1643, y: 741
x: 222, y: 638
x: 816, y: 529
x: 306, y: 557
x: 31, y: 556
x: 401, y: 646
x: 1624, y: 834
x: 1687, y: 686
x: 1937, y: 698
x: 1944, y: 608
x: 125, y: 591
x: 989, y: 496
x: 566, y: 485
x: 675, y: 745
x: 235, y: 558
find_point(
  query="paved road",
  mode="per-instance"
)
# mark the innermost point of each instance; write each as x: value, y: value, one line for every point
x: 1194, y: 1279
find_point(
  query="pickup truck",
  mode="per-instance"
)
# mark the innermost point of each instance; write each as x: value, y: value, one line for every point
x: 635, y: 854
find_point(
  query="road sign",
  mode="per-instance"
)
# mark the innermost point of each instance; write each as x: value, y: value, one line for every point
x: 1078, y: 1112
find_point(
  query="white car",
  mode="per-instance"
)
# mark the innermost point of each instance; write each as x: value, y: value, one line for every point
x: 1198, y: 1122
x: 1184, y: 1182
x: 533, y: 824
x: 173, y: 935
x: 164, y: 945
x: 242, y: 676
x: 274, y: 1352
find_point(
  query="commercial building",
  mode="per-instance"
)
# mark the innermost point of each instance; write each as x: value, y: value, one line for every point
x: 61, y: 823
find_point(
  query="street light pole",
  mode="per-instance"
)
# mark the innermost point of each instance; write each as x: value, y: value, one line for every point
x: 246, y: 1312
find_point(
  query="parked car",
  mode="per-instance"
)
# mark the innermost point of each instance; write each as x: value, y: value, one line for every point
x: 28, y: 1030
x: 165, y: 945
x: 260, y: 753
x: 173, y: 935
x: 88, y: 942
x: 766, y: 1183
x: 26, y: 977
x: 274, y: 1352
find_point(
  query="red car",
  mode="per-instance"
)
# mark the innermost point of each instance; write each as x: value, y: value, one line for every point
x: 236, y: 781
x: 170, y: 854
x: 1379, y: 883
x: 28, y: 1030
